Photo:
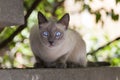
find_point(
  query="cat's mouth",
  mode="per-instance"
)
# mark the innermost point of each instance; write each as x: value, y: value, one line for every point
x: 51, y: 45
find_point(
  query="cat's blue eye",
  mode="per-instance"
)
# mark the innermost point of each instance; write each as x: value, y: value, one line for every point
x: 45, y: 33
x: 58, y: 33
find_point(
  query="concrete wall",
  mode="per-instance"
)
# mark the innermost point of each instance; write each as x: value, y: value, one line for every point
x: 11, y: 12
x: 102, y: 73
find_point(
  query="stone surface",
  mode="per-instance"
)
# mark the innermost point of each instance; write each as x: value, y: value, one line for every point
x: 102, y: 73
x: 11, y: 12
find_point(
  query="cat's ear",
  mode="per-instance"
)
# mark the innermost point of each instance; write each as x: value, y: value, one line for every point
x: 41, y: 18
x: 65, y: 20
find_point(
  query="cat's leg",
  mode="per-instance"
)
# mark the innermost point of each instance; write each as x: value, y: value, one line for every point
x: 59, y: 63
x: 73, y: 65
x: 80, y: 64
x: 75, y: 60
x: 39, y: 63
x: 77, y: 57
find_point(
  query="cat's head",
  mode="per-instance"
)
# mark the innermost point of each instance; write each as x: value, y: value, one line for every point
x: 52, y: 33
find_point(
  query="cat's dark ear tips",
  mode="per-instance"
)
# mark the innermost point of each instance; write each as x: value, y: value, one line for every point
x: 65, y: 20
x: 41, y: 18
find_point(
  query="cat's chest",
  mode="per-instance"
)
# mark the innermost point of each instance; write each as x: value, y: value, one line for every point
x: 50, y: 55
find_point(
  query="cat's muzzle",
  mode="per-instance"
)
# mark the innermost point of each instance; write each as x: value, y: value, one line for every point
x: 51, y: 43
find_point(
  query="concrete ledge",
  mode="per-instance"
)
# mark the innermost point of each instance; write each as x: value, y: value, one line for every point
x: 11, y: 12
x: 102, y: 73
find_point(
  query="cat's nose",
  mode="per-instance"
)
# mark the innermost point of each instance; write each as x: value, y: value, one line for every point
x: 51, y: 42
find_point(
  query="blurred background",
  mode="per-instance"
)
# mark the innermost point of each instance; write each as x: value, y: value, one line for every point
x: 96, y: 20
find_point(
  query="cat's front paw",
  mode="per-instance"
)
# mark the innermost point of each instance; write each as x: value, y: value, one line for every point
x: 56, y: 65
x: 61, y: 65
x: 73, y: 65
x: 38, y: 65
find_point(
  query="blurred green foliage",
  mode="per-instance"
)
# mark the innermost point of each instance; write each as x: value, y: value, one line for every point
x: 110, y: 53
x: 19, y: 53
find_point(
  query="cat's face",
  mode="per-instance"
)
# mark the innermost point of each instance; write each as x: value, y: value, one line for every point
x: 52, y: 33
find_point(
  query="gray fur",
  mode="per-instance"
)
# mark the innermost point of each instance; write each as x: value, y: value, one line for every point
x: 70, y: 47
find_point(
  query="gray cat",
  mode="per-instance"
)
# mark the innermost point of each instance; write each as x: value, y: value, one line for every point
x: 54, y: 44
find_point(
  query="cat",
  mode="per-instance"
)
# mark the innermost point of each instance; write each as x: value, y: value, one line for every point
x: 54, y: 44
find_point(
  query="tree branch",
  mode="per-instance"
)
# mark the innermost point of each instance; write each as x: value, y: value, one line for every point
x: 20, y: 28
x: 92, y: 53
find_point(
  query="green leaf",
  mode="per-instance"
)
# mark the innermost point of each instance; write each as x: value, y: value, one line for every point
x: 86, y: 6
x: 114, y: 16
x: 117, y: 1
x: 98, y: 16
x: 115, y: 61
x: 6, y: 32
